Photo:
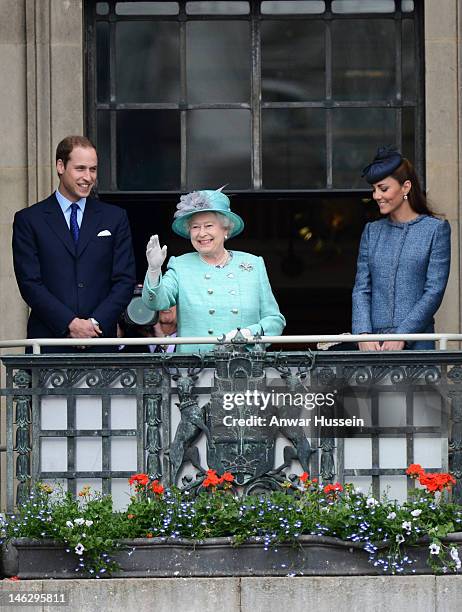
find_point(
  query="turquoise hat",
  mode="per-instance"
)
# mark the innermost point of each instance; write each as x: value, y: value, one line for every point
x: 207, y: 200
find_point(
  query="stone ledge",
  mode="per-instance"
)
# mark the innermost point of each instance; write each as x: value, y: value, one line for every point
x: 215, y: 557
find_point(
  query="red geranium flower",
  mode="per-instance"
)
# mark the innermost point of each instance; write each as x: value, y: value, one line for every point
x: 157, y: 488
x: 333, y: 488
x: 415, y: 470
x: 139, y: 479
x: 212, y: 479
x: 436, y: 482
x: 304, y: 477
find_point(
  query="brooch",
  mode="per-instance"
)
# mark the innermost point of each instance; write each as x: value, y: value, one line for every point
x: 246, y: 266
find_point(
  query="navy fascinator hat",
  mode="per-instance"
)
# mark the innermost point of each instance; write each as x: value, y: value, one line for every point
x: 385, y: 162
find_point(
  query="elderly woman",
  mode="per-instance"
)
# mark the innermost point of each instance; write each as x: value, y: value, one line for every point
x: 216, y: 290
x: 403, y: 262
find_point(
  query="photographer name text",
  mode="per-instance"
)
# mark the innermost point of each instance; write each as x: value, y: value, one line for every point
x: 276, y: 421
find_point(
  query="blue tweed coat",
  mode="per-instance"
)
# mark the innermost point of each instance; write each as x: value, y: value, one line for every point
x: 212, y: 301
x: 402, y: 273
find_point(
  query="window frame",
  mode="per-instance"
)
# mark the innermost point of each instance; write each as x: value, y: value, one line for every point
x: 256, y: 104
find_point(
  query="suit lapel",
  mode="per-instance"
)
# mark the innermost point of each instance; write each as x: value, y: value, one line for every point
x: 91, y: 218
x: 55, y: 219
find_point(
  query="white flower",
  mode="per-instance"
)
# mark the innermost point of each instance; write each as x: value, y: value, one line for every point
x: 88, y: 523
x: 391, y: 516
x: 79, y: 548
x: 455, y: 557
x: 371, y: 502
x: 79, y: 521
x: 407, y: 525
x: 358, y: 490
x: 69, y: 524
x: 416, y: 513
x: 434, y: 549
x: 399, y: 538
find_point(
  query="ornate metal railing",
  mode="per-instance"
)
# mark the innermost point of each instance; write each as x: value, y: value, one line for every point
x: 97, y: 419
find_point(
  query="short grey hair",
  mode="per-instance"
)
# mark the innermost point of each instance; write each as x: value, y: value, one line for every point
x: 225, y: 222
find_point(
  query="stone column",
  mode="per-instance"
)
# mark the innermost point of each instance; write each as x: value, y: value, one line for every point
x: 41, y: 79
x: 443, y: 136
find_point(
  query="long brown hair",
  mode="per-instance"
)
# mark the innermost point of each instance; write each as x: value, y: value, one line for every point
x: 417, y: 200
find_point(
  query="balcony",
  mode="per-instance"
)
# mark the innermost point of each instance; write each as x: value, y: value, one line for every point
x: 81, y: 419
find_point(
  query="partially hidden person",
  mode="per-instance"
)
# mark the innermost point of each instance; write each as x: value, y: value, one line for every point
x: 216, y: 290
x: 404, y: 258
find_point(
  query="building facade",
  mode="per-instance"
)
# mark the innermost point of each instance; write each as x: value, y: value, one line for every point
x: 53, y: 85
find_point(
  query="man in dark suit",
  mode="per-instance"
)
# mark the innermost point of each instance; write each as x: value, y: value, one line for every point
x: 73, y: 255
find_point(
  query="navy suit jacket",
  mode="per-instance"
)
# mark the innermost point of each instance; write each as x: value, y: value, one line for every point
x: 60, y: 280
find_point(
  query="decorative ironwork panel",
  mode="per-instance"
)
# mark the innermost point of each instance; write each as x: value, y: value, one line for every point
x: 263, y: 416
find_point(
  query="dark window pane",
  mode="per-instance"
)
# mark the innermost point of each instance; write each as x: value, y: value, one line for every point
x: 293, y: 60
x: 219, y: 146
x: 148, y: 149
x: 147, y: 8
x: 147, y: 61
x: 102, y: 61
x: 363, y: 59
x: 291, y: 8
x: 407, y: 6
x: 294, y: 148
x: 363, y: 6
x: 218, y: 61
x: 408, y: 133
x: 217, y: 8
x: 102, y: 8
x: 357, y: 133
x: 104, y: 150
x: 409, y: 71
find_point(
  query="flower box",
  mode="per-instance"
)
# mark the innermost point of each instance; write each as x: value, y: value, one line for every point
x: 156, y: 557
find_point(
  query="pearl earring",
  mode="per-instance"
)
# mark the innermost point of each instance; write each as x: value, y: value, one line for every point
x: 226, y: 236
x: 405, y: 196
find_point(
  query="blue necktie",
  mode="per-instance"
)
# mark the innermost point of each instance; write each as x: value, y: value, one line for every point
x: 74, y: 226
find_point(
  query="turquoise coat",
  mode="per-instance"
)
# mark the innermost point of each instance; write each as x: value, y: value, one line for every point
x: 212, y: 301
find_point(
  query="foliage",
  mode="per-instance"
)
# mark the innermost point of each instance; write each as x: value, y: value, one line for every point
x: 387, y: 530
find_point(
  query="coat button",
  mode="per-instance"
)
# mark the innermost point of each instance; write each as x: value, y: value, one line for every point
x: 234, y: 310
x: 210, y: 331
x: 151, y: 297
x: 80, y: 285
x: 230, y: 275
x: 212, y: 311
x: 210, y: 291
x: 208, y: 276
x: 232, y: 292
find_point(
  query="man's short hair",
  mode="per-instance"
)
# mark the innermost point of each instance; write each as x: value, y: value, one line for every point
x: 68, y: 144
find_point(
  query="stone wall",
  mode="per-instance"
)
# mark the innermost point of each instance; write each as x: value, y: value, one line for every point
x: 443, y: 135
x: 41, y: 80
x: 322, y: 594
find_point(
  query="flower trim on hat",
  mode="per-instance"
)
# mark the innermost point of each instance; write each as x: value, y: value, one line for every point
x: 192, y: 202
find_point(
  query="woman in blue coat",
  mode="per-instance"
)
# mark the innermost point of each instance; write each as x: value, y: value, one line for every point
x: 403, y: 261
x: 216, y: 290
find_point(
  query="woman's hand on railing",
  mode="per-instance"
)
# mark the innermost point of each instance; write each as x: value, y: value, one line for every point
x: 369, y: 346
x: 393, y: 345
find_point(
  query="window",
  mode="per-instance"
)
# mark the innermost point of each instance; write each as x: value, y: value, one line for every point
x: 262, y: 96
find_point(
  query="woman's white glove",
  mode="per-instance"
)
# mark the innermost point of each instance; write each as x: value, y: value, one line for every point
x: 156, y: 257
x: 245, y: 332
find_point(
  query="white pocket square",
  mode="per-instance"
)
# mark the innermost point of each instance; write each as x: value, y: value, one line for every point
x: 105, y: 233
